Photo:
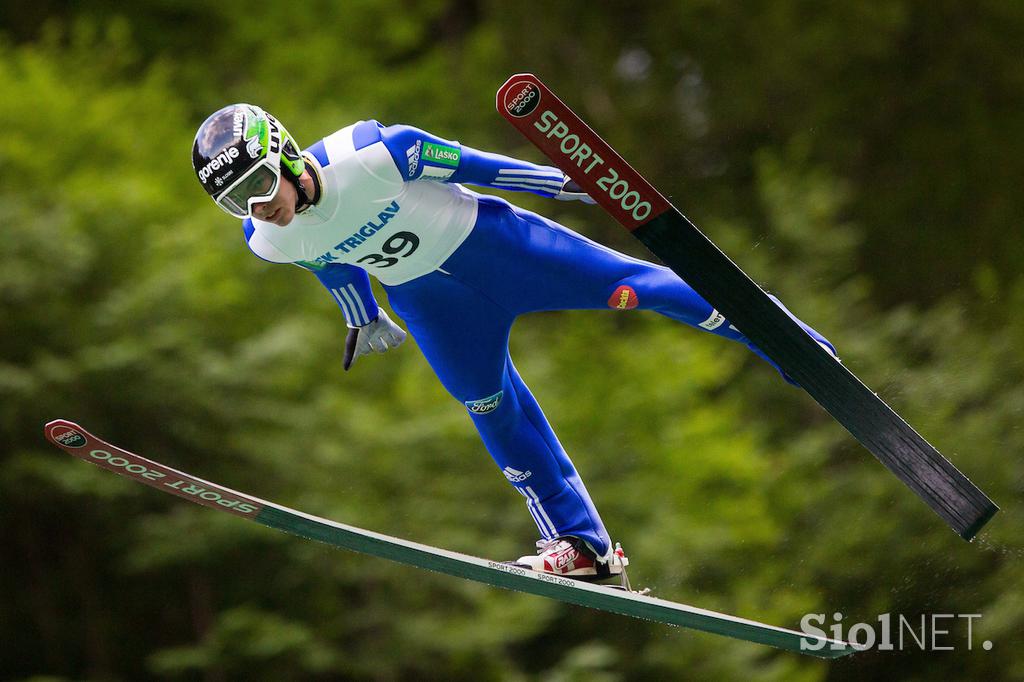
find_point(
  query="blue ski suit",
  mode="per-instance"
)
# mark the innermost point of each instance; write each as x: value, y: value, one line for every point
x: 460, y: 311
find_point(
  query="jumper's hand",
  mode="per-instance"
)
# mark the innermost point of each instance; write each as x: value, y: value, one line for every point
x: 379, y: 336
x: 822, y: 341
x: 572, y: 192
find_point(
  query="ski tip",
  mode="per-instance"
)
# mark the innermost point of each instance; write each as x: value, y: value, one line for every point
x: 525, y: 75
x: 65, y: 434
x: 510, y: 96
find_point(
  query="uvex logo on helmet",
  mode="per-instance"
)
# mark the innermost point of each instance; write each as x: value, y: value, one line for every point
x: 225, y: 157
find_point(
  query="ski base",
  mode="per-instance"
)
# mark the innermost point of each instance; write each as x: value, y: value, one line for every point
x: 79, y: 443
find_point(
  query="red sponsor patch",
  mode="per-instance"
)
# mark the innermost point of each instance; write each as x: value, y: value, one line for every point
x: 624, y: 298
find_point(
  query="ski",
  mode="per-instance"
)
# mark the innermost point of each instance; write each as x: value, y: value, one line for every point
x: 79, y: 443
x: 565, y: 139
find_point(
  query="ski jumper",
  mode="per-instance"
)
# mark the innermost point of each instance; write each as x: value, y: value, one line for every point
x: 459, y: 267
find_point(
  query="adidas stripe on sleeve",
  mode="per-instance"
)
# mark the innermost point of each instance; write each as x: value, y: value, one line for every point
x: 350, y: 287
x: 420, y: 155
x: 348, y: 284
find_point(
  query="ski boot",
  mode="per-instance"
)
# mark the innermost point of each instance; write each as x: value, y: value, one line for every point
x: 571, y: 557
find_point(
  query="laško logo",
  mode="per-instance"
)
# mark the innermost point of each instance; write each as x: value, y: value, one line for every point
x: 442, y: 154
x: 624, y: 298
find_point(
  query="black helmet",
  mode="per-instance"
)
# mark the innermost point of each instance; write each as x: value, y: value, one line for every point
x: 238, y: 155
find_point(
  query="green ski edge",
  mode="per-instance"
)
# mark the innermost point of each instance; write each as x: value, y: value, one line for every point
x: 79, y: 443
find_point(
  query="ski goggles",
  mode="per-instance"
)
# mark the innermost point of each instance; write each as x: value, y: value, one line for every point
x: 259, y: 183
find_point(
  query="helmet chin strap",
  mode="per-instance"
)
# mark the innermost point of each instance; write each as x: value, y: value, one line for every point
x: 302, y: 198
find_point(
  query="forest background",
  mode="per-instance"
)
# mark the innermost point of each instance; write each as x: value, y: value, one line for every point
x: 862, y: 160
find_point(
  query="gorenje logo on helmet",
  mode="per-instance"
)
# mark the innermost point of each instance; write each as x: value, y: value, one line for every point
x: 223, y: 158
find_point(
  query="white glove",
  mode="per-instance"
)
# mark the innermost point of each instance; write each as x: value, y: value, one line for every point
x: 379, y: 336
x: 572, y: 192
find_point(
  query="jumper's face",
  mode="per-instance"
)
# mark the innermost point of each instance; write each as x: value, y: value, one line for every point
x: 280, y: 210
